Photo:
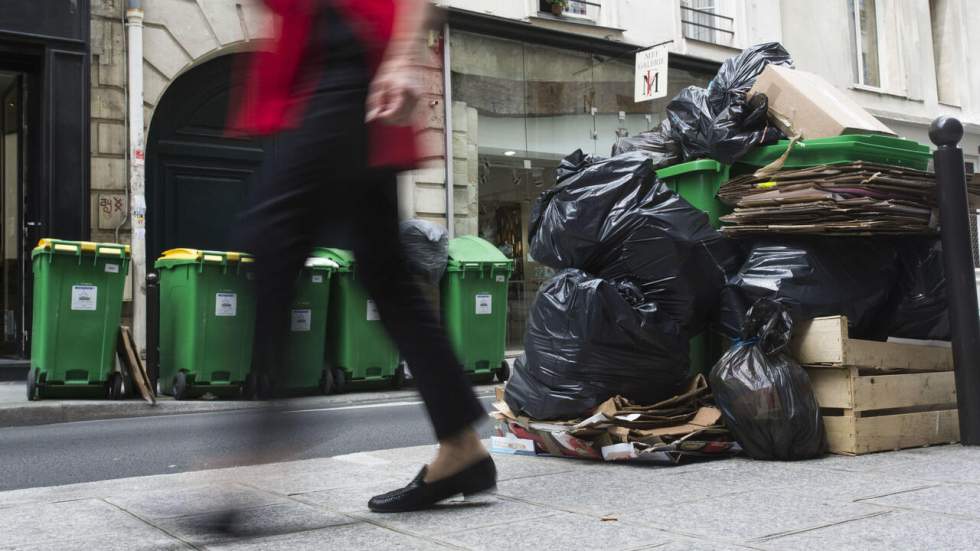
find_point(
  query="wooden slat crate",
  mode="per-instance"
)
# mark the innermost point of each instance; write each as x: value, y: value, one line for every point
x: 878, y: 396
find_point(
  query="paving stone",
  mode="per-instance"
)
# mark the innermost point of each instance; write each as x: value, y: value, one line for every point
x: 742, y: 517
x: 849, y: 486
x: 948, y: 466
x: 344, y: 500
x: 893, y: 531
x: 861, y: 463
x: 269, y: 520
x: 456, y: 516
x: 54, y: 524
x: 349, y: 537
x: 559, y: 531
x: 697, y: 545
x: 299, y: 477
x: 957, y: 500
x: 106, y: 542
x: 182, y: 501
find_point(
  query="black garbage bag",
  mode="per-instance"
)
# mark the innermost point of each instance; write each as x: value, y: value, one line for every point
x: 816, y: 277
x: 719, y: 122
x: 663, y: 150
x: 613, y: 218
x: 921, y: 309
x: 765, y: 397
x: 589, y: 339
x: 426, y: 247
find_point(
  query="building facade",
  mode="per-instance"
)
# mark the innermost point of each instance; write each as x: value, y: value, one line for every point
x: 523, y: 87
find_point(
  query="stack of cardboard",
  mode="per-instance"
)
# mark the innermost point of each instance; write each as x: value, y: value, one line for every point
x: 855, y: 198
x: 682, y: 427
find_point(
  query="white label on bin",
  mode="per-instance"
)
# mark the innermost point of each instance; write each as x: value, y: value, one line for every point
x: 301, y: 321
x: 501, y: 279
x: 112, y: 268
x: 317, y: 278
x: 226, y: 305
x: 372, y: 311
x: 84, y: 297
x: 484, y: 304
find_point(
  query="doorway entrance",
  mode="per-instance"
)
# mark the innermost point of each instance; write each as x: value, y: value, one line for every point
x: 13, y: 250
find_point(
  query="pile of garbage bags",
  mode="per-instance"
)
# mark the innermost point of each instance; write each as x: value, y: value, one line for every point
x: 642, y: 272
x: 886, y: 287
x: 717, y: 122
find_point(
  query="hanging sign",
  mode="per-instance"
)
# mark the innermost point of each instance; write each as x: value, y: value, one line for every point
x: 651, y: 74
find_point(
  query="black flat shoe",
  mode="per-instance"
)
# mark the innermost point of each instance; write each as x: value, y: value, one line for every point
x: 419, y: 494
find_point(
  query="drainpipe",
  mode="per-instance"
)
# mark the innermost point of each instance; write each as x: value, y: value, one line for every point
x: 137, y: 162
x: 447, y: 92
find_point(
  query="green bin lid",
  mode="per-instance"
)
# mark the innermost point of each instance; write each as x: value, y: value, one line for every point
x: 842, y: 149
x: 470, y: 251
x: 688, y: 167
x: 344, y: 259
x: 60, y: 246
x: 183, y: 257
x: 321, y: 264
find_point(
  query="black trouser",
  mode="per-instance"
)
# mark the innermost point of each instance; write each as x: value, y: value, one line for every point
x: 320, y: 189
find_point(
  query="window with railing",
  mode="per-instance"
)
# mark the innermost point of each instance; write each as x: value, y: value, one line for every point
x: 581, y: 9
x: 708, y: 21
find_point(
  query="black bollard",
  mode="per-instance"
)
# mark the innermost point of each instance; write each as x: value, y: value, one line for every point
x: 964, y: 318
x: 153, y: 329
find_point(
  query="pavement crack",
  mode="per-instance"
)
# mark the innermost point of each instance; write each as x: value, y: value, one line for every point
x: 777, y: 535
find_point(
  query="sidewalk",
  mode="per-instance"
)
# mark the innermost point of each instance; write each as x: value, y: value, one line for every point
x: 15, y: 410
x: 916, y: 499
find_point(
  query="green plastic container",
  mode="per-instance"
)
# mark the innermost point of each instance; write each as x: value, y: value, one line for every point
x: 698, y: 183
x: 207, y: 321
x: 305, y: 342
x: 78, y: 292
x: 358, y: 348
x: 840, y: 149
x: 474, y: 305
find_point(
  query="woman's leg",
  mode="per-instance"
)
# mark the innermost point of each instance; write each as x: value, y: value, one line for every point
x: 414, y: 326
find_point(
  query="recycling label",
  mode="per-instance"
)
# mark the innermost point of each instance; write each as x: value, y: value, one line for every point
x: 301, y: 321
x: 372, y: 311
x: 112, y: 268
x: 317, y: 278
x: 84, y: 298
x: 484, y: 304
x: 226, y: 305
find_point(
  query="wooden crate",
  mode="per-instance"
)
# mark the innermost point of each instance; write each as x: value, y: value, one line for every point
x: 878, y: 396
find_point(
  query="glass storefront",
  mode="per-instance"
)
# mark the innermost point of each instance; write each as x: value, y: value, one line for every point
x: 527, y: 106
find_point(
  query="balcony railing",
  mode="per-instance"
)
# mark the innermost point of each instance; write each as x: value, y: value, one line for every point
x: 700, y: 22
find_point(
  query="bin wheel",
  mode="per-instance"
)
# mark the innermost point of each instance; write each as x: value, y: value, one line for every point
x: 398, y: 379
x: 114, y: 386
x: 339, y: 381
x: 326, y: 381
x: 32, y: 393
x: 180, y: 386
x: 504, y: 372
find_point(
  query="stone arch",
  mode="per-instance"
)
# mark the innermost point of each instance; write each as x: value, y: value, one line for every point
x: 180, y: 35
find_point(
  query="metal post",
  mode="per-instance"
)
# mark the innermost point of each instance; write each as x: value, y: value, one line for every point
x: 946, y: 133
x: 137, y: 197
x: 447, y: 93
x: 153, y: 329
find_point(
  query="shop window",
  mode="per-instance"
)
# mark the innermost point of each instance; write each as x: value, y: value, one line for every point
x: 864, y: 41
x: 528, y: 106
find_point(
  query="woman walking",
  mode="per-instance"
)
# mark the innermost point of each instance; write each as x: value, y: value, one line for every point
x: 339, y: 90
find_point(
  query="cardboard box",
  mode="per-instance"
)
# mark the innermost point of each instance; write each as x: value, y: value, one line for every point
x: 805, y: 104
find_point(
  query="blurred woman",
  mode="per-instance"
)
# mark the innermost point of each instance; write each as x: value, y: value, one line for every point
x: 339, y: 89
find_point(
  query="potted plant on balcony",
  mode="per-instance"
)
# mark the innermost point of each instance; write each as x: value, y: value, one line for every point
x: 558, y: 6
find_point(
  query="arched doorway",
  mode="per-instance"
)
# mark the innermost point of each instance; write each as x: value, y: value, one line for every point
x: 197, y: 177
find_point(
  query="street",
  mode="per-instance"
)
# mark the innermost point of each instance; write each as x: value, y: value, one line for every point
x: 86, y: 451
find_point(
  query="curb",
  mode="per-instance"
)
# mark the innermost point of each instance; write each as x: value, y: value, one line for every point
x: 63, y: 411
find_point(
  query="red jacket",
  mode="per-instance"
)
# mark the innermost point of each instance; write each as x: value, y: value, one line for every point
x: 271, y: 104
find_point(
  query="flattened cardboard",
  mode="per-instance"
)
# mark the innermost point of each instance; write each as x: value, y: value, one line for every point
x: 804, y: 104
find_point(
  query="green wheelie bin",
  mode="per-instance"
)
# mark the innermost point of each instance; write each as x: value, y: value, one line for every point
x: 305, y: 342
x: 474, y: 305
x: 207, y: 320
x: 698, y: 182
x: 358, y: 348
x: 78, y: 292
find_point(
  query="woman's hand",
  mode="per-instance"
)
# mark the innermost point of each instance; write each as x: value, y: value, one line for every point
x: 394, y: 93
